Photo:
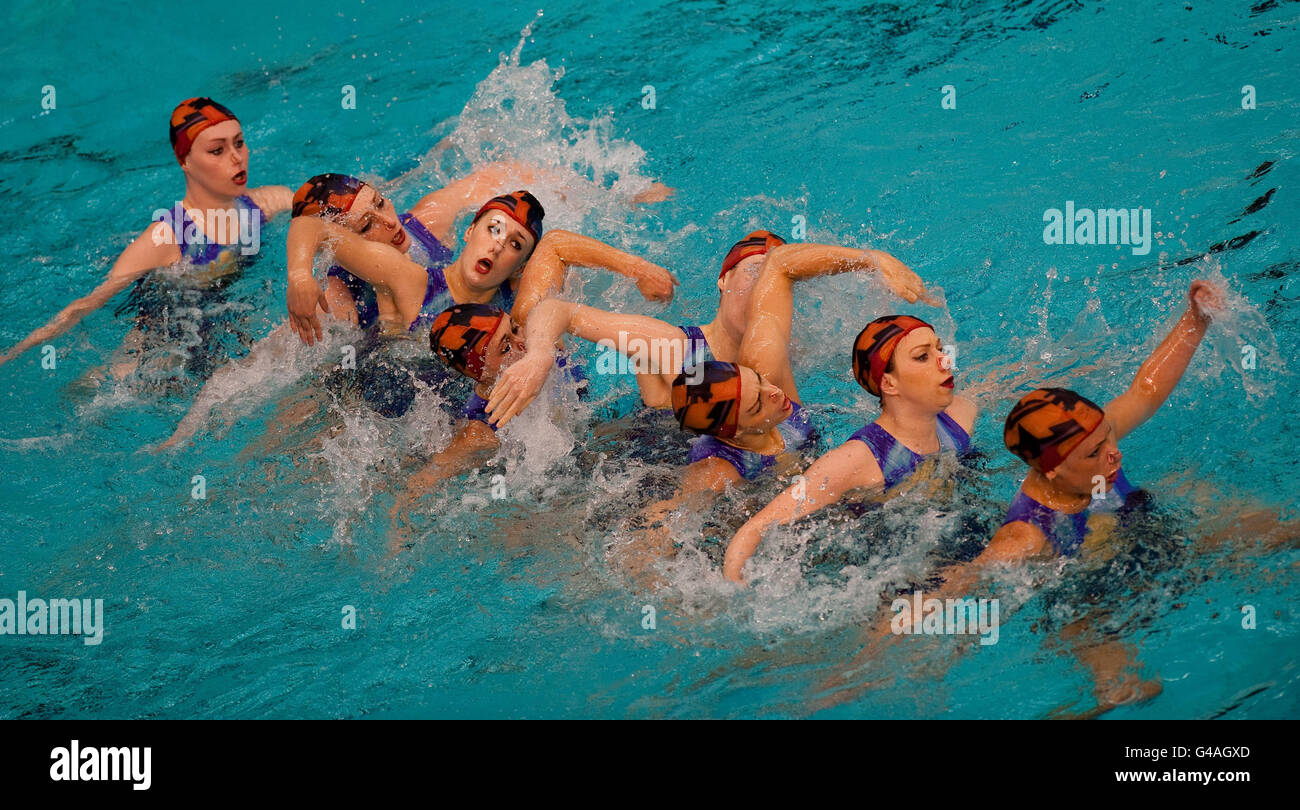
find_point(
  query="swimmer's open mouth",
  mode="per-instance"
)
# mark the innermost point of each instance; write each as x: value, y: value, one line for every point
x: 240, y: 179
x: 949, y: 383
x: 1110, y: 479
x: 483, y: 266
x: 787, y: 406
x: 399, y: 237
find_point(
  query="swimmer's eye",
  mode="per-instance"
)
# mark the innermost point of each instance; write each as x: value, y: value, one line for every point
x: 216, y: 151
x: 517, y: 245
x: 239, y: 144
x: 922, y: 357
x: 494, y: 229
x: 366, y: 227
x: 379, y: 206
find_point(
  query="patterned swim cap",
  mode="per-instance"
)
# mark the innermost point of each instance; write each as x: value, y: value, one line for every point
x: 522, y: 207
x: 875, y: 346
x: 711, y: 406
x: 326, y: 195
x: 460, y: 335
x: 192, y: 116
x: 1046, y: 424
x: 755, y: 244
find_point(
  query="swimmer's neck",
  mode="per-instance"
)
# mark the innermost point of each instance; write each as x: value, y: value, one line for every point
x: 199, y: 199
x: 765, y: 444
x: 461, y: 292
x: 723, y: 344
x: 1049, y: 494
x: 916, y: 430
x: 199, y: 203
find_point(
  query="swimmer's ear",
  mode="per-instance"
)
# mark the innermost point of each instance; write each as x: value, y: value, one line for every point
x: 722, y: 284
x: 888, y: 384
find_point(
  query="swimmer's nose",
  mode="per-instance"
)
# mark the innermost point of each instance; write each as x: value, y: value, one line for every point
x: 1116, y: 456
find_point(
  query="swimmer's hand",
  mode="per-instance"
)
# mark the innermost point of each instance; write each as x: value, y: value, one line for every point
x: 518, y: 386
x: 656, y: 283
x: 304, y: 296
x: 906, y: 284
x: 1204, y: 299
x: 657, y: 193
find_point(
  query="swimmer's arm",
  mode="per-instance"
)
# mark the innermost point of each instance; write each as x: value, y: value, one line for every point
x: 1159, y: 375
x: 382, y: 266
x: 766, y: 344
x: 438, y: 210
x: 800, y: 262
x: 519, y: 384
x: 844, y: 469
x: 544, y: 274
x: 272, y: 199
x: 154, y: 248
x: 469, y: 448
x: 233, y: 380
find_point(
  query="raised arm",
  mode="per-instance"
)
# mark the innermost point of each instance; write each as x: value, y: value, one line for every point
x: 1159, y: 375
x: 804, y: 261
x: 844, y: 469
x: 646, y: 340
x: 438, y: 209
x: 544, y: 274
x: 154, y: 248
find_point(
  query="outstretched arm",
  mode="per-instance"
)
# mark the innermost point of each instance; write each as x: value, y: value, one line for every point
x: 559, y: 250
x: 804, y: 261
x: 266, y: 361
x: 648, y: 341
x: 154, y: 248
x: 1159, y: 375
x: 470, y: 447
x: 844, y: 469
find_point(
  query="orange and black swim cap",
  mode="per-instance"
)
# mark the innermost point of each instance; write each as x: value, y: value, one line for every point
x: 522, y: 207
x: 460, y: 336
x: 192, y: 116
x: 875, y: 346
x: 1047, y: 424
x: 755, y: 244
x: 712, y: 405
x: 326, y: 195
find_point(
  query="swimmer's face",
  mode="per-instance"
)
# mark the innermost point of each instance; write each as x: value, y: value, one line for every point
x: 496, y: 247
x: 763, y: 405
x: 1097, y: 455
x: 504, y: 349
x: 218, y: 160
x: 918, y: 372
x: 373, y: 217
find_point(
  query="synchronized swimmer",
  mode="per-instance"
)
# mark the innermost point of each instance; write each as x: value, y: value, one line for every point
x: 492, y: 312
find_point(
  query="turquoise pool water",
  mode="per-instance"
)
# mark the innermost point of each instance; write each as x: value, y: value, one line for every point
x: 230, y: 606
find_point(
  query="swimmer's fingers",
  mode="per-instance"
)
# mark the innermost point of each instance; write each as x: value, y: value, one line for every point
x: 657, y: 284
x: 658, y: 192
x: 1205, y: 298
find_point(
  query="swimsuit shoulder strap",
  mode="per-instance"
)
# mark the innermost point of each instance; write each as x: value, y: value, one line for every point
x: 1064, y: 532
x: 435, y: 252
x: 895, y: 460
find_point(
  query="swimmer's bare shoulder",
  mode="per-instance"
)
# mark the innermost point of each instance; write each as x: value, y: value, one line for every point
x: 963, y: 411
